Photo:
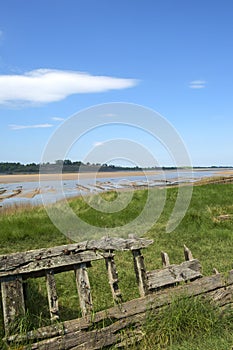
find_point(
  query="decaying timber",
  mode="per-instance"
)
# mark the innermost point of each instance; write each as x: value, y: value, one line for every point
x: 157, y: 288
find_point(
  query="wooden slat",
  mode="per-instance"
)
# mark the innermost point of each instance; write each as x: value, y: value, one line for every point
x: 188, y: 270
x: 52, y: 295
x: 119, y: 244
x: 140, y: 271
x: 59, y: 263
x: 12, y: 300
x: 113, y: 277
x: 84, y: 289
x: 62, y: 257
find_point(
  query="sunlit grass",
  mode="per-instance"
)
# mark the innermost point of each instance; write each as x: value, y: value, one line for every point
x: 210, y: 240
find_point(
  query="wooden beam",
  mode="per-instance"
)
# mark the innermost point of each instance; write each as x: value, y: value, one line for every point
x: 12, y: 300
x: 140, y: 271
x: 52, y: 295
x: 84, y: 289
x: 113, y: 277
x: 62, y: 258
x: 36, y: 266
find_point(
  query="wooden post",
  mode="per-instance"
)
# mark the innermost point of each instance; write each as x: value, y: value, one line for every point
x: 113, y: 276
x: 140, y: 272
x: 83, y: 287
x: 165, y: 259
x: 12, y: 300
x: 52, y: 295
x: 187, y: 253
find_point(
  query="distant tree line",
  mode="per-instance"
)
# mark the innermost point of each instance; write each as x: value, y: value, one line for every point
x: 67, y: 166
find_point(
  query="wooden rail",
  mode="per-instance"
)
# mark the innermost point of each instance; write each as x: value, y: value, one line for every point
x: 154, y: 288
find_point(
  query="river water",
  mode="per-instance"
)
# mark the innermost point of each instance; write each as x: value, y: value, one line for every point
x: 53, y: 191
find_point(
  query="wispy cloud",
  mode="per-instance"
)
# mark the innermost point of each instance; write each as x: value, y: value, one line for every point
x: 1, y: 33
x: 57, y: 119
x: 35, y: 126
x: 197, y: 84
x: 49, y: 85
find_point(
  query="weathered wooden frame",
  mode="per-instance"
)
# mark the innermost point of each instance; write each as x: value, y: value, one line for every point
x: 76, y: 334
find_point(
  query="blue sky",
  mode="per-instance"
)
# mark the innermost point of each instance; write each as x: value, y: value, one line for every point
x: 60, y: 57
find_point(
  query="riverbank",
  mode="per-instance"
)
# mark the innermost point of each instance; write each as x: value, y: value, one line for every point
x: 15, y: 178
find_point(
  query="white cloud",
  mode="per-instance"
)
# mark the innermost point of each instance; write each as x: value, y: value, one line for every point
x: 197, y: 84
x: 57, y: 119
x: 36, y: 126
x: 48, y: 85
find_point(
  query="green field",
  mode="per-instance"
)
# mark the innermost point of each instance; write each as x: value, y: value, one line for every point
x: 207, y: 229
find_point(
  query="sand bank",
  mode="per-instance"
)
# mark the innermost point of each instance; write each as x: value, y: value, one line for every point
x: 71, y: 176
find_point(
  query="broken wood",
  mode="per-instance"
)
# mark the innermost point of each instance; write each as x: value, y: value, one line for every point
x: 52, y: 295
x: 187, y: 271
x: 76, y: 333
x: 84, y: 289
x: 88, y: 332
x: 12, y: 300
x: 165, y: 259
x: 113, y: 277
x: 187, y: 253
x: 34, y: 263
x: 140, y: 271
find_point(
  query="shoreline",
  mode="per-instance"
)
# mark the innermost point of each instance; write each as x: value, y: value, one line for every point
x: 21, y: 178
x: 15, y: 178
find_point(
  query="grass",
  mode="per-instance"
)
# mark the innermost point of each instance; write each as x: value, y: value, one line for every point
x: 208, y: 237
x: 188, y: 323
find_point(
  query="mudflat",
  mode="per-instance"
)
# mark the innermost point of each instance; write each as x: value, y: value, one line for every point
x: 71, y: 176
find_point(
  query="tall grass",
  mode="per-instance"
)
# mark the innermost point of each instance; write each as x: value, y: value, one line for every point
x: 187, y: 323
x: 209, y: 238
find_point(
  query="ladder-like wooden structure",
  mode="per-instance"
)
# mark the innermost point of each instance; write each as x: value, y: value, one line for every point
x: 18, y: 267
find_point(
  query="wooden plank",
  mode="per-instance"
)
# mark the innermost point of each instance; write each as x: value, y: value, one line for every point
x: 84, y: 289
x: 188, y: 270
x: 113, y: 277
x: 91, y: 340
x: 119, y: 244
x: 38, y: 267
x: 52, y: 295
x: 133, y: 308
x: 12, y: 300
x: 140, y: 271
x: 58, y: 257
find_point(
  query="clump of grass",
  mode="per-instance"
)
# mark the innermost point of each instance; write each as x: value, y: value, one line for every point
x: 184, y: 321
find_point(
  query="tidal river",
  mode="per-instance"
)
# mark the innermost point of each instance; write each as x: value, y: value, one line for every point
x: 29, y: 189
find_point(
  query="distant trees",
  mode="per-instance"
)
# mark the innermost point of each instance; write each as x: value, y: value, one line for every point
x: 10, y: 168
x: 67, y: 166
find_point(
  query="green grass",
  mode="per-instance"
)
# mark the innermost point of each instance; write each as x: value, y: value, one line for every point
x: 209, y: 238
x: 188, y: 323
